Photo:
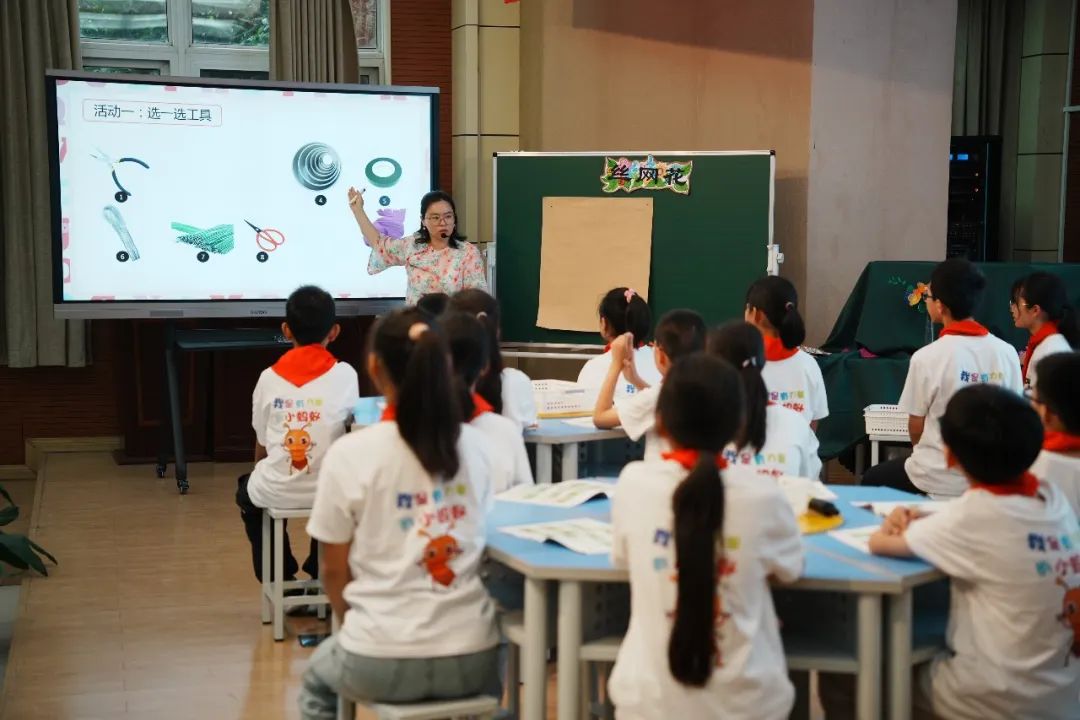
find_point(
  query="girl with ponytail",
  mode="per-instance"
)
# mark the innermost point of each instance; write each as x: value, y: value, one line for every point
x: 400, y: 516
x: 792, y: 377
x: 507, y: 390
x: 1040, y: 305
x: 701, y: 540
x: 774, y: 440
x: 623, y: 312
x: 469, y: 351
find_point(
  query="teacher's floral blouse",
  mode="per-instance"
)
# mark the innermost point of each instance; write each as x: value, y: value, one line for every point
x: 429, y: 270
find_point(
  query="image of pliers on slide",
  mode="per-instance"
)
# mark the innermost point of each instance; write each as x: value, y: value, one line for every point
x: 122, y: 193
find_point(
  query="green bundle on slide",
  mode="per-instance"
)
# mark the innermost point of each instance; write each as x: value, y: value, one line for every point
x: 218, y: 239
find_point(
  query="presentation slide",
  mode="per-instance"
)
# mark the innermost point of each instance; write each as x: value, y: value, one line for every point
x: 202, y: 193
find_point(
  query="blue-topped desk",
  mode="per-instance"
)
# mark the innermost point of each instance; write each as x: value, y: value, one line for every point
x: 830, y: 566
x: 551, y: 432
x: 548, y: 433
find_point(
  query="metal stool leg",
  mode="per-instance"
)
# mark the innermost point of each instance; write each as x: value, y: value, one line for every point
x: 279, y: 579
x: 267, y: 604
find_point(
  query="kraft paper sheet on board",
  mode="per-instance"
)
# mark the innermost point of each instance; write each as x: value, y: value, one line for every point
x: 588, y: 246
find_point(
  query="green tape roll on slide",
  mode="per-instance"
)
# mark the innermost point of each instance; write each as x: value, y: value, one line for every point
x: 383, y: 181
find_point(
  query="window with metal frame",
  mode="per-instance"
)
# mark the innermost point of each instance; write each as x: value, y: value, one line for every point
x: 209, y: 38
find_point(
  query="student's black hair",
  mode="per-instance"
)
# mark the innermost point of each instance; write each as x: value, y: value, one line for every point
x: 626, y: 316
x: 741, y: 344
x: 1058, y: 388
x: 486, y: 309
x: 428, y: 408
x: 994, y: 433
x: 1015, y: 290
x: 434, y: 304
x: 777, y: 299
x: 679, y: 333
x: 1048, y: 291
x: 959, y: 285
x: 423, y: 236
x: 310, y: 314
x: 700, y: 408
x: 469, y: 351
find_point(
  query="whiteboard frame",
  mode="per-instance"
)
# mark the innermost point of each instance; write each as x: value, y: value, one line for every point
x: 174, y: 309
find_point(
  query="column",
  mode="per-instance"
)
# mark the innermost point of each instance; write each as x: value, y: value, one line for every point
x: 485, y: 120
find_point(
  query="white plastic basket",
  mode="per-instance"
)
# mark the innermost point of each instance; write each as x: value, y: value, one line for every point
x: 885, y: 420
x: 563, y: 399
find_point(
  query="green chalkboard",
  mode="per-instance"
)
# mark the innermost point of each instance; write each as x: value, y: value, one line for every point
x: 707, y: 245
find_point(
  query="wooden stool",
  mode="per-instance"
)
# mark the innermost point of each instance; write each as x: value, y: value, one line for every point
x: 274, y: 601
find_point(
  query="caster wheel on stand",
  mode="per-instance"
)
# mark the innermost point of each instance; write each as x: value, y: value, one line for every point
x: 182, y: 485
x: 160, y: 469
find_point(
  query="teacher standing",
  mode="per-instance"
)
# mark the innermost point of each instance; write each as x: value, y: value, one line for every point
x: 437, y: 259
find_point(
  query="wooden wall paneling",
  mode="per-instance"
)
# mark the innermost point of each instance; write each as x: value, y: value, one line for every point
x: 141, y: 384
x: 421, y: 55
x: 61, y: 402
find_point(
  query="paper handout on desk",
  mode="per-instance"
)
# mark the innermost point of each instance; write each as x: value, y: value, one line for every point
x: 581, y: 535
x: 567, y: 494
x: 585, y: 423
x: 858, y: 538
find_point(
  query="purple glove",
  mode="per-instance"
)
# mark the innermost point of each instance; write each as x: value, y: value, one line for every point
x: 391, y: 222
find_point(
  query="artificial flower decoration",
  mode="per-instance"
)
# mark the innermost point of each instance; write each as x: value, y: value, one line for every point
x: 916, y: 296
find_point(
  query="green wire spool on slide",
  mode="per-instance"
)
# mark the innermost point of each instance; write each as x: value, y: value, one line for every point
x: 217, y: 240
x: 383, y: 181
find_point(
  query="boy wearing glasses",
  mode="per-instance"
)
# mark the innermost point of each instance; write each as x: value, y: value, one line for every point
x: 964, y: 354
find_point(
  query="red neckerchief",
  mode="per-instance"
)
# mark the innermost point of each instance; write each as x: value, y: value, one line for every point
x: 775, y: 350
x: 688, y: 458
x: 480, y: 406
x: 1026, y: 485
x: 1061, y: 442
x: 303, y: 364
x: 969, y: 328
x: 1049, y: 328
x: 389, y: 413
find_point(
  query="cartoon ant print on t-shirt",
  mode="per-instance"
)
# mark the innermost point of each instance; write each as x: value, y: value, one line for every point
x: 438, y: 553
x: 298, y: 444
x: 720, y: 616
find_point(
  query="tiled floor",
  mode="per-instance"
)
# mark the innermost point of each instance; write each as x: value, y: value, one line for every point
x: 153, y: 611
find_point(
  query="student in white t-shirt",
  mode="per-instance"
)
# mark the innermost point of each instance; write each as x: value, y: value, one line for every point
x: 507, y: 390
x: 774, y: 440
x: 622, y: 310
x: 400, y: 514
x: 1009, y: 543
x: 792, y: 377
x: 965, y: 353
x: 679, y: 333
x: 1056, y: 397
x: 468, y: 341
x: 298, y: 408
x: 701, y: 541
x: 1040, y: 305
